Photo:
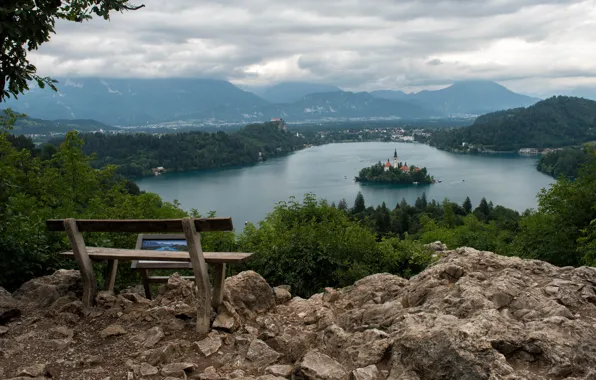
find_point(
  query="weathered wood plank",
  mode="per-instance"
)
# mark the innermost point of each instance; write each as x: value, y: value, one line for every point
x: 143, y: 225
x: 195, y: 251
x: 97, y: 253
x: 83, y: 261
x: 111, y: 279
x: 218, y: 285
x: 146, y: 284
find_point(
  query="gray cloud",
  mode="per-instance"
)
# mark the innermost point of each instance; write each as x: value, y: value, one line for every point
x: 356, y: 44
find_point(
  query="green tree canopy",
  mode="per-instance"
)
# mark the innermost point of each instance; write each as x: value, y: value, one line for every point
x: 26, y: 24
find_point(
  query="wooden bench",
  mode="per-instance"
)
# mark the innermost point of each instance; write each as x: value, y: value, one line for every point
x: 194, y: 258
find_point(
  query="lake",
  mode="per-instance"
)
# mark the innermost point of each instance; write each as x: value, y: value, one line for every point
x: 249, y: 193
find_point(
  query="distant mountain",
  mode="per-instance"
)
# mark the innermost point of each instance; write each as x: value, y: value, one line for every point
x: 134, y: 101
x: 290, y: 92
x: 390, y: 94
x: 466, y: 97
x: 555, y: 122
x: 344, y: 104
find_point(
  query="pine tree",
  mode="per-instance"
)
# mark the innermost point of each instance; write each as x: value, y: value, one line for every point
x: 359, y: 205
x: 467, y: 205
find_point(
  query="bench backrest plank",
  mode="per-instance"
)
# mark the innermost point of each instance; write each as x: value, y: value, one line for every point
x: 143, y: 225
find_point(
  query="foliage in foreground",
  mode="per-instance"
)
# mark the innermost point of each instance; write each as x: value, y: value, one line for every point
x: 310, y: 245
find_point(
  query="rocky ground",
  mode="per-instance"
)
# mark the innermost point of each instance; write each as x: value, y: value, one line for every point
x: 473, y: 315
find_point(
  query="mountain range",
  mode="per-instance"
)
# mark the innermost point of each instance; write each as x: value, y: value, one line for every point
x: 141, y: 102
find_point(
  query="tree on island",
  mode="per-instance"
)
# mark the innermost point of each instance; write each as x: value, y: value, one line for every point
x: 380, y: 173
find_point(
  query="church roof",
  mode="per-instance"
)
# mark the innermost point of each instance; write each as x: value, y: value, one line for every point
x: 387, y: 164
x: 404, y: 167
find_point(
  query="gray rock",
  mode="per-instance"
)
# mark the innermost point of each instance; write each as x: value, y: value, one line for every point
x: 318, y: 366
x: 35, y: 370
x: 177, y: 369
x: 3, y: 330
x: 280, y: 370
x: 249, y: 294
x: 153, y: 336
x: 367, y: 373
x: 330, y: 295
x: 112, y: 330
x: 261, y: 354
x: 282, y: 295
x: 210, y: 373
x: 44, y: 291
x: 209, y: 345
x: 147, y: 369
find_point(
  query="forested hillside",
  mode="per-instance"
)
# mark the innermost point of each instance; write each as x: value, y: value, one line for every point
x: 566, y: 162
x: 136, y: 154
x: 555, y: 122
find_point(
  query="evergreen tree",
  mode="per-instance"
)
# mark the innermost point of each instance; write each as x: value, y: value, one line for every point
x: 342, y: 205
x: 467, y: 205
x: 359, y: 205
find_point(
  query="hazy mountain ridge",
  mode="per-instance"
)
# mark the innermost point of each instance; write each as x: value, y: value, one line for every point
x: 138, y: 102
x: 465, y: 97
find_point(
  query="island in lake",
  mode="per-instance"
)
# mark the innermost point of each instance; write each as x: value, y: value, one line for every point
x: 398, y: 173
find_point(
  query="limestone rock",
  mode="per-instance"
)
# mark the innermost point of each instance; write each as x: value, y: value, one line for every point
x: 249, y: 294
x: 210, y: 373
x: 330, y: 295
x: 9, y: 309
x: 153, y: 336
x: 112, y: 330
x: 279, y: 370
x: 209, y: 345
x: 147, y: 369
x: 176, y: 369
x: 270, y: 377
x: 367, y: 373
x: 436, y: 246
x: 36, y: 370
x: 282, y: 295
x: 318, y: 366
x: 3, y: 330
x: 261, y: 354
x: 43, y: 291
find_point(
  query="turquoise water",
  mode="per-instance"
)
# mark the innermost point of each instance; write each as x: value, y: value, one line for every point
x: 249, y: 193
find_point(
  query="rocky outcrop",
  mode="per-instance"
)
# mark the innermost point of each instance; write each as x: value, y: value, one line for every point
x: 44, y: 291
x: 472, y: 315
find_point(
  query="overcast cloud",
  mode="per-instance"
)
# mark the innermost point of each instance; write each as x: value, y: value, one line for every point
x: 534, y: 46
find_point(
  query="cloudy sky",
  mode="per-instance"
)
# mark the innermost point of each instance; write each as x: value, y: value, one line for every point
x: 537, y: 47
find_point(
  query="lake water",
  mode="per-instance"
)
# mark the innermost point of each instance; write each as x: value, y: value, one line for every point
x: 249, y: 193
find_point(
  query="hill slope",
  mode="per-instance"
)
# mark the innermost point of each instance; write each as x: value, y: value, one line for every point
x: 554, y: 122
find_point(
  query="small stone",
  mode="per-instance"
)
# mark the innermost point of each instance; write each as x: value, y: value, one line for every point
x: 237, y: 373
x: 112, y: 330
x: 176, y: 368
x: 270, y: 377
x: 261, y: 354
x: 330, y: 295
x: 316, y: 365
x: 210, y: 373
x: 209, y: 345
x: 147, y: 369
x: 3, y: 330
x: 281, y: 295
x: 61, y: 332
x: 130, y: 376
x: 36, y: 370
x: 153, y: 336
x: 224, y: 321
x: 367, y: 373
x: 279, y: 370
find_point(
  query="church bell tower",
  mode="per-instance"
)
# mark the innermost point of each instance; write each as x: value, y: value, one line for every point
x: 395, y: 159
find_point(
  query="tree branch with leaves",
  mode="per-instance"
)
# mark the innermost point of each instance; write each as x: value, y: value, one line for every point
x: 27, y: 24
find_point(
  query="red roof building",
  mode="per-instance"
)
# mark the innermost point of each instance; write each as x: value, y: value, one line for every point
x: 404, y: 168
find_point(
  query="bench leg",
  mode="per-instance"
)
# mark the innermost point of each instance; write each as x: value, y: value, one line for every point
x: 83, y: 261
x: 218, y: 286
x: 146, y: 284
x: 111, y: 279
x: 199, y: 267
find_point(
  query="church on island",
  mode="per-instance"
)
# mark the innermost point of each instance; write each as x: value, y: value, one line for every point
x: 403, y: 168
x: 396, y: 173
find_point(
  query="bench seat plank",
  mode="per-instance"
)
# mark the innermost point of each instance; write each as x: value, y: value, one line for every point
x: 97, y: 253
x: 143, y: 225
